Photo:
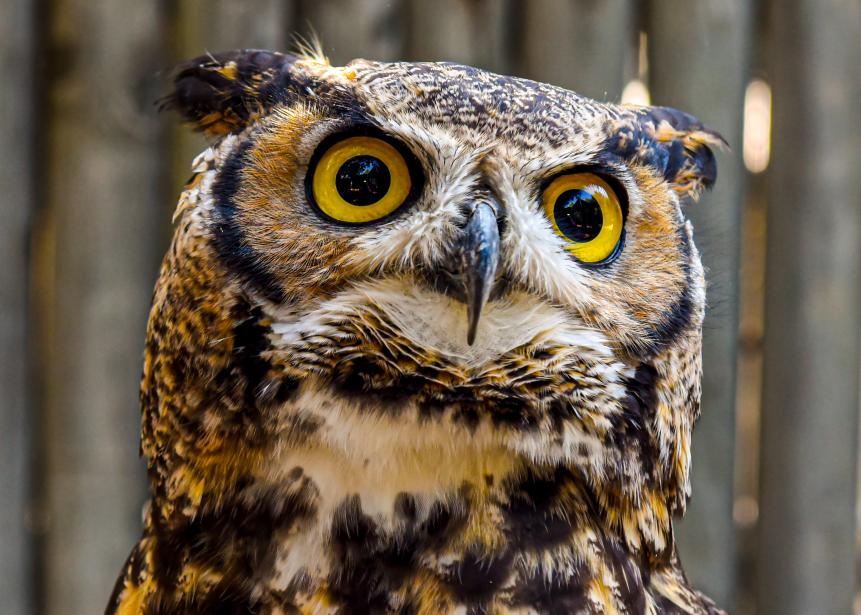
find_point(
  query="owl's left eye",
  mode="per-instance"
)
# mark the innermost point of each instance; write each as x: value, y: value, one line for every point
x: 587, y: 213
x: 360, y: 179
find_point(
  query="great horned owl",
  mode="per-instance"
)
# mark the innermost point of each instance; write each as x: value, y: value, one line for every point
x: 427, y: 340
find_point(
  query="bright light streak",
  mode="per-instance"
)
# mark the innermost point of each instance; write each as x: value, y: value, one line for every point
x: 636, y: 93
x: 757, y: 126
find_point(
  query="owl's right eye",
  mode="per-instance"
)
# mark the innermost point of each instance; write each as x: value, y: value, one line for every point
x: 586, y: 212
x: 360, y: 179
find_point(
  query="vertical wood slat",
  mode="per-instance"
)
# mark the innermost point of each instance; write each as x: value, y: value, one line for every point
x: 698, y: 59
x: 807, y: 552
x: 103, y: 176
x: 582, y: 45
x: 17, y: 118
x: 472, y: 32
x: 251, y: 24
x: 350, y: 29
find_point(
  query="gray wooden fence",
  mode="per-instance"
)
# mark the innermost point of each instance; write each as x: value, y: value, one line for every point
x: 89, y: 172
x: 807, y: 559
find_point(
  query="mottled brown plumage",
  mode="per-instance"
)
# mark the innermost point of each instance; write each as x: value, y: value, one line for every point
x: 320, y: 436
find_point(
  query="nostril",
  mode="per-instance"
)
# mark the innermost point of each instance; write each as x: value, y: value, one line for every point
x: 466, y: 212
x: 484, y: 194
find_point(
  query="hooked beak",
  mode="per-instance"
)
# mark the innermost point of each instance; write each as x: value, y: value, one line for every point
x: 479, y: 258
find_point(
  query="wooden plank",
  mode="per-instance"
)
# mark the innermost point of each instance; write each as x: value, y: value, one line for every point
x: 749, y: 391
x: 582, y: 45
x: 807, y: 552
x: 349, y: 29
x: 102, y: 193
x: 17, y: 171
x: 698, y: 58
x: 474, y: 32
x: 216, y: 25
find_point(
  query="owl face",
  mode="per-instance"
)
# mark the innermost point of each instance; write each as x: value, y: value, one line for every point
x: 437, y: 231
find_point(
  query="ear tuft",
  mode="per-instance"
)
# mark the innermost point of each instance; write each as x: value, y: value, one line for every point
x: 675, y: 143
x: 223, y: 93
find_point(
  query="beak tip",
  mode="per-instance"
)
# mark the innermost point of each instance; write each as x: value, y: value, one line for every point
x: 472, y: 326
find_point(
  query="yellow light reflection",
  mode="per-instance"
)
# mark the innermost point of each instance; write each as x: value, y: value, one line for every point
x: 757, y: 126
x: 636, y: 93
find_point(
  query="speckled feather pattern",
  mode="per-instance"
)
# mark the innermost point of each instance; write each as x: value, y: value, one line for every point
x: 320, y: 437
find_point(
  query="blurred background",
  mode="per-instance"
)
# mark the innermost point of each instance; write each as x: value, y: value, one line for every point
x: 89, y: 174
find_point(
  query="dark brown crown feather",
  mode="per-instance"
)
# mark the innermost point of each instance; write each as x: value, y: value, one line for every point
x: 222, y: 93
x: 675, y: 143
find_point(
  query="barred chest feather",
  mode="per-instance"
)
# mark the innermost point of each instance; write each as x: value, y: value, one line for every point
x: 453, y: 510
x: 326, y: 473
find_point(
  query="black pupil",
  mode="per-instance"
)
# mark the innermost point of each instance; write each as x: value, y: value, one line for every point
x: 363, y: 180
x: 578, y: 215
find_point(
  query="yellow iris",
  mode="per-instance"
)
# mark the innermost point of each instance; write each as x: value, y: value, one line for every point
x: 585, y: 211
x: 360, y: 179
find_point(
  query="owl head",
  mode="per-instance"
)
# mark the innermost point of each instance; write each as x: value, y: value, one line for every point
x: 434, y: 239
